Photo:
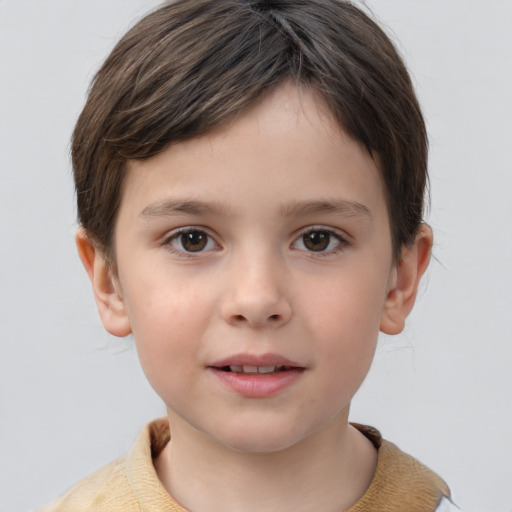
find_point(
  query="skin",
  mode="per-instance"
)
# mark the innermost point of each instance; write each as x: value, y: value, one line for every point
x: 279, y: 172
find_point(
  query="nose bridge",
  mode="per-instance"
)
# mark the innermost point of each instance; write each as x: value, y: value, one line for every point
x: 257, y: 290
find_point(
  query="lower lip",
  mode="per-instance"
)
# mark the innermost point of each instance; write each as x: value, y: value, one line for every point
x: 258, y: 385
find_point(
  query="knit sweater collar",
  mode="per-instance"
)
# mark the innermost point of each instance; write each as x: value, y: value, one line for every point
x: 400, y: 482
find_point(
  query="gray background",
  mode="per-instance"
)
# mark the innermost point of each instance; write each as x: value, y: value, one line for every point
x: 72, y: 399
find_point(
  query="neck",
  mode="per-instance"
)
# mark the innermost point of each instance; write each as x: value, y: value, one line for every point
x: 329, y: 471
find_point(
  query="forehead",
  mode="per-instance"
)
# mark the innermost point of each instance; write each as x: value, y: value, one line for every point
x: 286, y: 148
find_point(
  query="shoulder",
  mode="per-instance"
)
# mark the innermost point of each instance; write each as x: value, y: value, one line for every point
x: 129, y: 483
x: 400, y: 481
x: 402, y: 470
x: 107, y: 489
x: 447, y: 506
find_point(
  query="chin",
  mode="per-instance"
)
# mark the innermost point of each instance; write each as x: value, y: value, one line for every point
x: 259, y: 439
x: 260, y: 446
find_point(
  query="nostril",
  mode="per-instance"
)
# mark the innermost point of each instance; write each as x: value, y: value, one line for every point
x: 242, y: 318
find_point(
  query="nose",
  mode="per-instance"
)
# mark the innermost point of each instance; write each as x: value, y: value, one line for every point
x: 257, y: 294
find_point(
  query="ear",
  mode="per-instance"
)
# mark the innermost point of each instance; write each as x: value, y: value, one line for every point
x: 404, y: 281
x: 105, y: 286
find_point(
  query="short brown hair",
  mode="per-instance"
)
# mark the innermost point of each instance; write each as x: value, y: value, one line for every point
x: 192, y: 65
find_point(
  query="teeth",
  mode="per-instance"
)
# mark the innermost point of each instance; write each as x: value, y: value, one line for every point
x: 266, y: 369
x: 253, y: 369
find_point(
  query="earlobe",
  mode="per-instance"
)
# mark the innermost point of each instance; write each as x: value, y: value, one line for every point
x: 109, y: 301
x: 405, y: 280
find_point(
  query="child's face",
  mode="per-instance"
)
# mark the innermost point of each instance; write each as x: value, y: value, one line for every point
x: 265, y: 243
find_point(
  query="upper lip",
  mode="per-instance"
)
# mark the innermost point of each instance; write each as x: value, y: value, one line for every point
x: 255, y: 360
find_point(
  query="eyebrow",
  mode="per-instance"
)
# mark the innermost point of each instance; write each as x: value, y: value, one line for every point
x: 168, y: 208
x: 171, y: 207
x: 336, y: 206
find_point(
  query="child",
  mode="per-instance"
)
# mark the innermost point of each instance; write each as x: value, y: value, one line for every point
x: 250, y: 178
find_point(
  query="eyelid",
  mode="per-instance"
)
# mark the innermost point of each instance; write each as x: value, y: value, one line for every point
x: 341, y: 236
x: 175, y: 233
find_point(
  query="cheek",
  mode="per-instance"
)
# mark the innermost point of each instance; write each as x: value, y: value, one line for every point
x: 166, y: 307
x: 348, y: 306
x: 344, y: 320
x: 346, y: 358
x: 167, y: 327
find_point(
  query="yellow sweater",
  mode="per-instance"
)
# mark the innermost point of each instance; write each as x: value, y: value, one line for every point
x: 400, y: 483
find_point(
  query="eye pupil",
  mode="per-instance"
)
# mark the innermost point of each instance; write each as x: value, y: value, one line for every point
x: 317, y: 240
x: 194, y: 241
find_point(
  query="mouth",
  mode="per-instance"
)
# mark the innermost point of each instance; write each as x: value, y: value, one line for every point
x: 251, y: 370
x: 251, y: 364
x: 257, y: 376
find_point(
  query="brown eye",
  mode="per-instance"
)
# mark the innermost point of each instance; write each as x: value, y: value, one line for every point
x: 316, y: 240
x: 320, y: 240
x: 194, y: 241
x: 191, y: 241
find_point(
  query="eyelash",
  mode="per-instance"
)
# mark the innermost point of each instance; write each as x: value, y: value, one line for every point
x: 176, y: 236
x: 341, y: 242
